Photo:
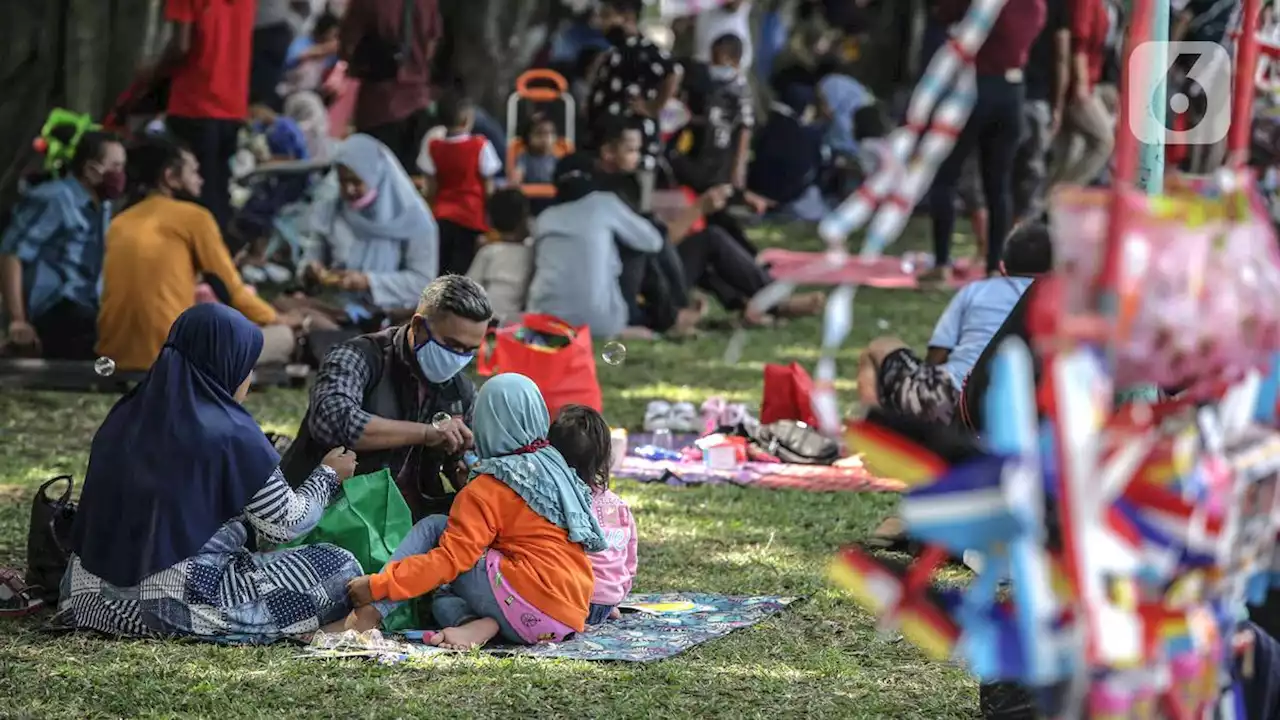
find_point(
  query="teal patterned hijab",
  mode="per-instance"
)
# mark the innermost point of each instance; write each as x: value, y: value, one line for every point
x: 511, y: 424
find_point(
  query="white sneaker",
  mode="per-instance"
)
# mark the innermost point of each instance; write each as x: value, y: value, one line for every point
x: 683, y: 418
x: 657, y: 416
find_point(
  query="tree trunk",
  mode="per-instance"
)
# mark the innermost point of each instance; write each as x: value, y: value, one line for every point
x: 74, y: 54
x: 489, y: 43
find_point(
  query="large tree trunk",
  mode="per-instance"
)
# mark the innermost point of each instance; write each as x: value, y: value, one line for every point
x: 81, y: 54
x: 74, y: 54
x: 490, y: 42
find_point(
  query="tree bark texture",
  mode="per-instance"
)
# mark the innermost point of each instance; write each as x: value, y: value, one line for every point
x: 74, y: 54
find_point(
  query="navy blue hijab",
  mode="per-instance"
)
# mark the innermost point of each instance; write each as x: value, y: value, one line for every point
x: 177, y: 457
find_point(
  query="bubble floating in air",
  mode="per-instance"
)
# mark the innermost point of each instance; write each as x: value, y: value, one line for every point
x: 441, y: 421
x: 882, y: 324
x: 614, y: 353
x: 104, y: 366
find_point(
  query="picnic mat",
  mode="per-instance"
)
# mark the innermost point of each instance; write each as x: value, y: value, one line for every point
x: 847, y: 475
x: 653, y: 627
x: 886, y: 271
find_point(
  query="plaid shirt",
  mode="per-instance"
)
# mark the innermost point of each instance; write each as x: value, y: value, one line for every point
x: 338, y: 416
x: 57, y: 232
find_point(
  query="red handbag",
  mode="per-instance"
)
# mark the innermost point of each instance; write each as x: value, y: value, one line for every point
x: 566, y: 375
x: 788, y: 392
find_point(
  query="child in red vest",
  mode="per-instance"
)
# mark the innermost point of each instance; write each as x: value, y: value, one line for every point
x: 459, y: 169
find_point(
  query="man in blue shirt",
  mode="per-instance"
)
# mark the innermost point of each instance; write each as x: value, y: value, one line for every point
x: 51, y: 253
x: 891, y: 376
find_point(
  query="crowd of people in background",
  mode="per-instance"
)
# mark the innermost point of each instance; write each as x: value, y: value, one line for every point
x: 308, y: 169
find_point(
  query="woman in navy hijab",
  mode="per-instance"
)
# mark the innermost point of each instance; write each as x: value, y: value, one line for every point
x: 178, y: 474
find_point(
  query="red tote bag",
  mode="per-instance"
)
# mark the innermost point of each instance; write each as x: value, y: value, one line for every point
x: 566, y: 375
x: 788, y: 394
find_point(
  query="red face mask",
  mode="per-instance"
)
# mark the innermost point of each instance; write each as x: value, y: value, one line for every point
x: 112, y: 184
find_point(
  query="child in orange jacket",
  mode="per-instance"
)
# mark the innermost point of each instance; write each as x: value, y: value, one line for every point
x: 513, y: 550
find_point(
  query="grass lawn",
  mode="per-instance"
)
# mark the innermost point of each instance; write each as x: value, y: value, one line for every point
x: 822, y: 658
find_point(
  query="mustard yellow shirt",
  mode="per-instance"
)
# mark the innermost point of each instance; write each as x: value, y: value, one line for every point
x: 154, y: 252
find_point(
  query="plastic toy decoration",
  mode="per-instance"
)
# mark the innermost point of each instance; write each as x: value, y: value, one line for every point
x: 60, y: 136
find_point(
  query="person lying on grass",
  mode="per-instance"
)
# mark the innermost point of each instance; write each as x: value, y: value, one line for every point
x: 891, y: 376
x: 582, y: 436
x: 511, y: 557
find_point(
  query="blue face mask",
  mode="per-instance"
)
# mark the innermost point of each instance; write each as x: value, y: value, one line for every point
x: 438, y: 363
x: 723, y: 73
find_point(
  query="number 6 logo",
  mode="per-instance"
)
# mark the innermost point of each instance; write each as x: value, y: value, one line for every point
x: 1202, y: 96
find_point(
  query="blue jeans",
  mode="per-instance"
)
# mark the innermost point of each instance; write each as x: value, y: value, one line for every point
x: 468, y: 597
x: 599, y: 613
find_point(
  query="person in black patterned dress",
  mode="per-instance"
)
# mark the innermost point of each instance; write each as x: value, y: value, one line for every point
x: 633, y: 79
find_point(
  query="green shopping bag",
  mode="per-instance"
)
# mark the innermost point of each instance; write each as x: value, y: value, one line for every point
x: 369, y: 518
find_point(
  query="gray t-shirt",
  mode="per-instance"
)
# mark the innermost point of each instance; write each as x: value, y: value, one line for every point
x: 576, y: 261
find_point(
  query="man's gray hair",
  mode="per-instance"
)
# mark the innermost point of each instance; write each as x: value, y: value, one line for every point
x: 456, y: 295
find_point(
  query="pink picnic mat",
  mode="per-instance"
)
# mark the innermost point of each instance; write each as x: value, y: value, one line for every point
x: 886, y: 271
x: 846, y: 475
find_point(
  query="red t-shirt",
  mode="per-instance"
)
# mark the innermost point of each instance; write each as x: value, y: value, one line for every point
x: 1089, y: 27
x: 1011, y: 36
x: 457, y: 166
x: 213, y: 81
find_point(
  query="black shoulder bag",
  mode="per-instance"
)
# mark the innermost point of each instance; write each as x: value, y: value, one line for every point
x: 49, y: 539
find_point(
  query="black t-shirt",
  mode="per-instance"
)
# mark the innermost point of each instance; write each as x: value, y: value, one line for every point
x: 703, y: 152
x: 1039, y: 71
x: 634, y: 68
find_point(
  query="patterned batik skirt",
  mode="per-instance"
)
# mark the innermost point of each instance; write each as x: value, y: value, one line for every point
x: 223, y: 591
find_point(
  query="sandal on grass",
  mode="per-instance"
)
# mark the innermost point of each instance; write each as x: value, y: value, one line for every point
x: 17, y: 598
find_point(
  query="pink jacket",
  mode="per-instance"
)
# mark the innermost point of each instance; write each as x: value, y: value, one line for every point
x: 614, y: 567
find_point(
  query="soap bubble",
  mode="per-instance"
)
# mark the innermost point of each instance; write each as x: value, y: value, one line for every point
x: 614, y: 353
x: 441, y: 421
x: 882, y: 324
x: 908, y: 267
x: 104, y: 366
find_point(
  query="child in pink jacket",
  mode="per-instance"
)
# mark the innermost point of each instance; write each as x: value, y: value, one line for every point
x: 582, y: 437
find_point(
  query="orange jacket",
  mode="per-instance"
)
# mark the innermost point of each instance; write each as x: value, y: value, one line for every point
x: 539, y: 561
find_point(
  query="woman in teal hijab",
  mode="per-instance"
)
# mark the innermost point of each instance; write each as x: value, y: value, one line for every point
x: 511, y: 557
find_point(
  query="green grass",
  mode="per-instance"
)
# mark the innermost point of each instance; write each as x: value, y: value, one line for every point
x: 821, y: 658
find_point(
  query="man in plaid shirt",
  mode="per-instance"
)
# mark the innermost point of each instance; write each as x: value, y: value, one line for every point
x: 384, y: 395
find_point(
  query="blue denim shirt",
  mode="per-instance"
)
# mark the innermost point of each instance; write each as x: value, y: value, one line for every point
x: 57, y: 231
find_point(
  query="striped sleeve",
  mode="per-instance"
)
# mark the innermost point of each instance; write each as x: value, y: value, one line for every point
x: 280, y: 514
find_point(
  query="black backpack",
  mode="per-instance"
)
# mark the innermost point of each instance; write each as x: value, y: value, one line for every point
x: 791, y: 441
x: 49, y: 539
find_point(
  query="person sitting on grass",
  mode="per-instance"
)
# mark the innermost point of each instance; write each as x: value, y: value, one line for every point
x: 179, y: 476
x: 582, y: 436
x: 504, y: 266
x: 375, y: 242
x: 380, y: 393
x: 156, y: 249
x: 511, y: 557
x: 891, y: 376
x: 51, y: 253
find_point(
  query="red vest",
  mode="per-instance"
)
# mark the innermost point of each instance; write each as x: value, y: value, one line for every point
x: 459, y: 184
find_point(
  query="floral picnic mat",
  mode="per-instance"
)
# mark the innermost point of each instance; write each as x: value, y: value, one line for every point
x: 652, y: 627
x: 848, y: 475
